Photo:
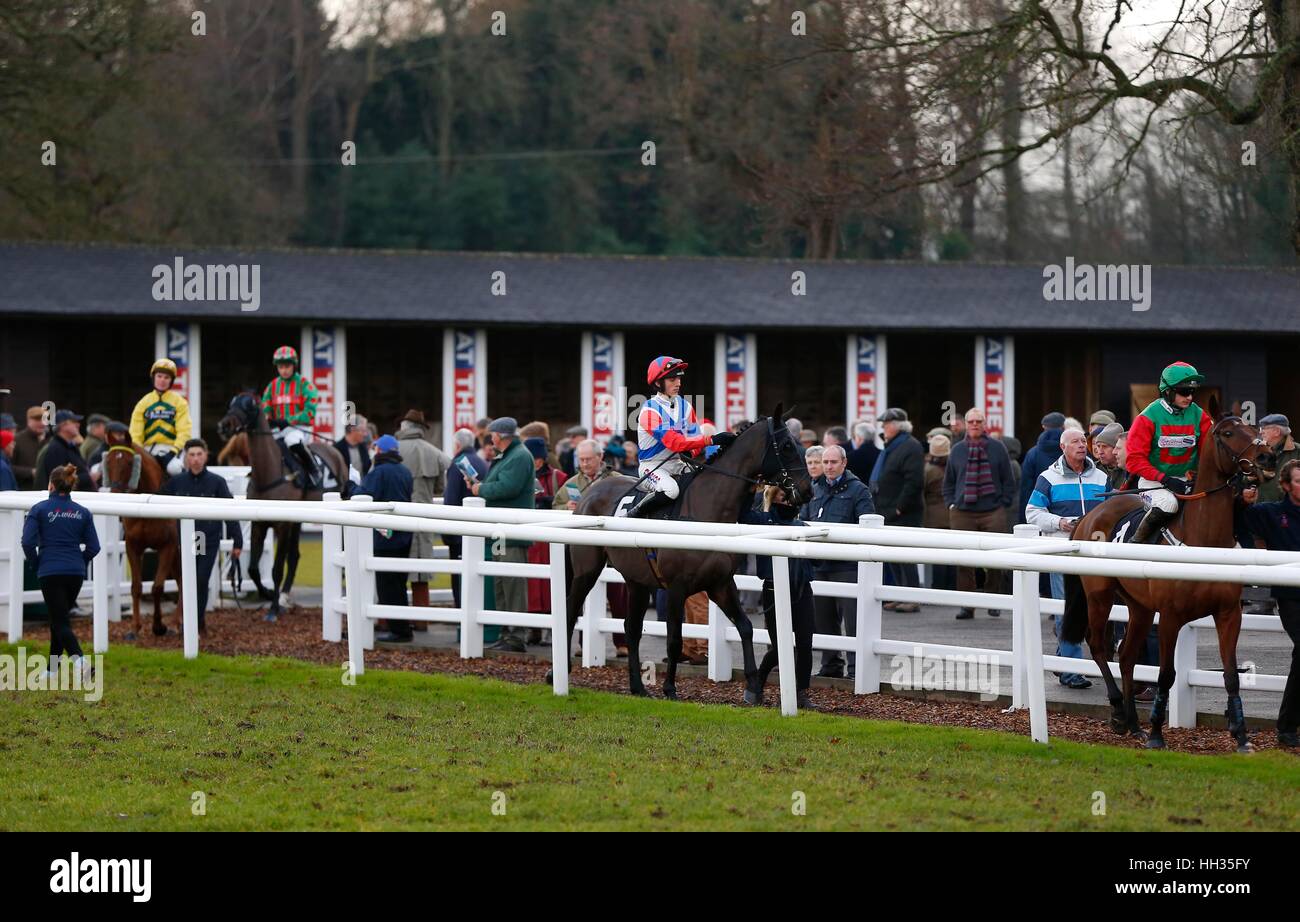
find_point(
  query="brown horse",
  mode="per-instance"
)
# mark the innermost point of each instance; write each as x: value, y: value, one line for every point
x: 129, y: 468
x: 764, y: 452
x: 268, y: 480
x: 1226, y: 464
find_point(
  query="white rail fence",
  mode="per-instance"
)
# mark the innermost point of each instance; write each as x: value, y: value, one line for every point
x: 349, y: 558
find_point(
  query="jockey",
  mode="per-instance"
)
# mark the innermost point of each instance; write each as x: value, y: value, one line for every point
x: 289, y: 402
x: 1162, y: 446
x: 161, y: 418
x: 666, y: 429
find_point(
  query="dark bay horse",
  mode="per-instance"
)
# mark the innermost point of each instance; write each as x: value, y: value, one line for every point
x: 1227, y: 463
x: 129, y: 468
x: 267, y: 480
x: 764, y: 452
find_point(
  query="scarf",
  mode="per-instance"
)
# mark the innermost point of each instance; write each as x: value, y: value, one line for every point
x: 979, y: 475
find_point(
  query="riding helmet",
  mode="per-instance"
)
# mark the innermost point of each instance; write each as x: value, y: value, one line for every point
x: 665, y: 366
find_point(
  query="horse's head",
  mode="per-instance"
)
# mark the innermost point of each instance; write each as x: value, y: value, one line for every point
x: 242, y: 416
x: 783, y: 461
x: 120, y: 469
x: 1239, y: 450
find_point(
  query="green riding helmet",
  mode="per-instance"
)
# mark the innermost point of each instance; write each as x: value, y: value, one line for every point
x: 1179, y: 374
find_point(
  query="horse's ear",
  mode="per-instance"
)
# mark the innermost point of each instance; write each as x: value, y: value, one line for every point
x: 780, y: 408
x: 1212, y: 407
x: 788, y: 413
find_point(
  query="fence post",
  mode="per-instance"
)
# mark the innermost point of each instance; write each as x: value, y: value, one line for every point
x: 871, y: 575
x: 1019, y: 689
x: 101, y: 574
x: 331, y: 625
x: 471, y: 590
x: 593, y: 641
x: 13, y: 532
x: 113, y: 562
x: 719, y: 649
x: 1182, y: 696
x: 354, y: 539
x: 560, y: 646
x: 1025, y: 614
x: 189, y: 595
x: 784, y: 638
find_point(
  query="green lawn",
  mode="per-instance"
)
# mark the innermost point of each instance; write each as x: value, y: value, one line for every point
x: 279, y: 744
x: 309, y: 566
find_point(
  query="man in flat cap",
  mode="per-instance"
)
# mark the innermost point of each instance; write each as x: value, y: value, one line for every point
x: 1276, y: 430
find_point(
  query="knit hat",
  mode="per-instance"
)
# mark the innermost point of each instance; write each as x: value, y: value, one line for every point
x: 1054, y: 420
x: 940, y: 446
x: 1109, y: 435
x: 536, y: 446
x: 1101, y: 418
x: 386, y: 443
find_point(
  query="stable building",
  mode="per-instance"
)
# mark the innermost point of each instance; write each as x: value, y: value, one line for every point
x: 567, y: 339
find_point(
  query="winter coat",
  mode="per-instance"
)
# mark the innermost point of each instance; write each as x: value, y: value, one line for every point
x: 388, y: 481
x: 53, y: 533
x: 899, y: 493
x: 841, y: 504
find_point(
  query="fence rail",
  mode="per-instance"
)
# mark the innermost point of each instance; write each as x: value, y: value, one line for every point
x: 350, y: 565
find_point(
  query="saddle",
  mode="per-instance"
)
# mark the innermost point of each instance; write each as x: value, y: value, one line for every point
x: 662, y: 512
x: 1123, y: 530
x: 292, y: 465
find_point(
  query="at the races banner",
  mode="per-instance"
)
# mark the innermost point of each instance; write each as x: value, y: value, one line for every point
x: 735, y: 379
x: 464, y: 380
x: 995, y: 382
x: 602, y: 376
x: 180, y: 343
x: 324, y: 355
x: 867, y: 368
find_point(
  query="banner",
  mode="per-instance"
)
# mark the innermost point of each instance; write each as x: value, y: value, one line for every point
x: 325, y: 359
x: 464, y: 380
x: 995, y: 382
x: 179, y: 342
x: 866, y: 377
x: 735, y: 381
x: 602, y: 373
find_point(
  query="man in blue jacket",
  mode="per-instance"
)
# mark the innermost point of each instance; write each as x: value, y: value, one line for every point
x: 841, y: 500
x: 1278, y: 525
x: 390, y: 481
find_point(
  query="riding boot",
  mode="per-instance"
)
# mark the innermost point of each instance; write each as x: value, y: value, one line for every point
x: 1155, y: 519
x: 303, y: 454
x: 647, y: 503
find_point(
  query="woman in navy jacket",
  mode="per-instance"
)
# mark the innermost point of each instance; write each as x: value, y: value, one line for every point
x: 53, y: 535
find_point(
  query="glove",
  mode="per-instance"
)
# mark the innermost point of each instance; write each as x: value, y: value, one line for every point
x: 1177, y: 486
x: 723, y: 439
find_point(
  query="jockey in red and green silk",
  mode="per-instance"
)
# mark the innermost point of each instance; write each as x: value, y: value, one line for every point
x: 289, y: 403
x: 1163, y: 446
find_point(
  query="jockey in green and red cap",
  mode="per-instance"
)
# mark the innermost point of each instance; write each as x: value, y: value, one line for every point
x: 289, y: 402
x: 1163, y: 446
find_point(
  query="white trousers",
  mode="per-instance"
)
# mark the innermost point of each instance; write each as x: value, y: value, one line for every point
x: 1164, y: 499
x: 660, y: 481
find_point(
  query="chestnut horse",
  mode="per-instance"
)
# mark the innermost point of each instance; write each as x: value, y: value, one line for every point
x: 129, y: 468
x: 1226, y: 464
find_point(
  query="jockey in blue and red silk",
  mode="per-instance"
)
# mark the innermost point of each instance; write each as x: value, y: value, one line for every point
x: 666, y: 430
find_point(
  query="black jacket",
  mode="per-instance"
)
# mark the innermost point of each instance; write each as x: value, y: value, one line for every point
x: 1278, y: 525
x: 389, y: 481
x: 862, y: 459
x: 59, y: 453
x: 346, y: 451
x: 211, y: 486
x: 841, y: 504
x: 900, y: 492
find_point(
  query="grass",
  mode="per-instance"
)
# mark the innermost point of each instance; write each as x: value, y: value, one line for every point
x: 280, y: 744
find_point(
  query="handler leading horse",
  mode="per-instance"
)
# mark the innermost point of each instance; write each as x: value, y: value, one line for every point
x: 763, y: 452
x: 1225, y: 467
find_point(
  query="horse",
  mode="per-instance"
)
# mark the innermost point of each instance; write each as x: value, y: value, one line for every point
x: 267, y: 480
x: 235, y: 452
x: 129, y: 468
x: 1226, y: 465
x: 763, y: 452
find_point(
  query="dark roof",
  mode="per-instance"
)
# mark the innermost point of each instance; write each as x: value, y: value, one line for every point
x: 422, y: 287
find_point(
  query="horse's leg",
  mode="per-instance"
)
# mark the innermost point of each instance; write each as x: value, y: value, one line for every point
x: 727, y: 598
x: 277, y: 572
x: 1160, y: 708
x: 295, y: 538
x: 1100, y: 602
x: 1139, y: 625
x: 135, y: 557
x: 258, y: 536
x: 1227, y: 623
x: 676, y: 615
x: 638, y: 600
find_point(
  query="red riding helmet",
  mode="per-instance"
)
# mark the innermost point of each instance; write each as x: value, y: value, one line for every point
x: 665, y: 367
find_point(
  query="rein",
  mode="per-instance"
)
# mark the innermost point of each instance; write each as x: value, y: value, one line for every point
x: 1237, y: 482
x: 784, y: 482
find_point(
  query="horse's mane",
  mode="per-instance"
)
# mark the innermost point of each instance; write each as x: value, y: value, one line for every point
x: 744, y: 426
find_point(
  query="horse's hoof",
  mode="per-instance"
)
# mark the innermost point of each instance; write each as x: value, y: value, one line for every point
x: 638, y: 691
x: 670, y: 692
x: 1245, y: 746
x: 130, y: 636
x: 1155, y: 742
x: 160, y: 630
x: 1119, y: 725
x: 753, y: 698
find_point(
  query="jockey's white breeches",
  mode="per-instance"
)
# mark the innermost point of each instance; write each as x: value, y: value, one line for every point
x: 1162, y: 498
x: 661, y: 478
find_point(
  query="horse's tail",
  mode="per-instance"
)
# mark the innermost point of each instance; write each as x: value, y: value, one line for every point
x: 1075, y: 623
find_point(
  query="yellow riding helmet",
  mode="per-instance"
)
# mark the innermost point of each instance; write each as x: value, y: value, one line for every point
x: 163, y: 364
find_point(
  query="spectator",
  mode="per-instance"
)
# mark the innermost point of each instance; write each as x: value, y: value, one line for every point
x: 796, y: 427
x: 1063, y: 494
x: 616, y: 456
x: 389, y: 481
x: 978, y: 488
x: 1012, y: 445
x: 510, y: 484
x: 1276, y: 430
x: 1278, y: 525
x: 481, y: 435
x: 807, y: 438
x: 464, y: 441
x: 837, y: 435
x: 27, y: 445
x: 62, y: 449
x: 93, y: 444
x: 1039, y: 458
x: 898, y: 491
x: 54, y: 533
x: 1105, y: 449
x: 843, y: 499
x: 7, y: 479
x: 428, y: 465
x: 943, y: 431
x: 1072, y: 423
x: 958, y: 430
x: 1096, y: 423
x: 196, y: 480
x: 575, y: 435
x: 863, y: 454
x: 812, y: 459
x: 632, y: 450
x: 942, y: 576
x: 355, y: 448
x: 550, y: 483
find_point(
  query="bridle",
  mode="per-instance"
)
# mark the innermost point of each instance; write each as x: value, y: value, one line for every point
x: 131, y: 484
x: 774, y: 472
x: 1247, y: 469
